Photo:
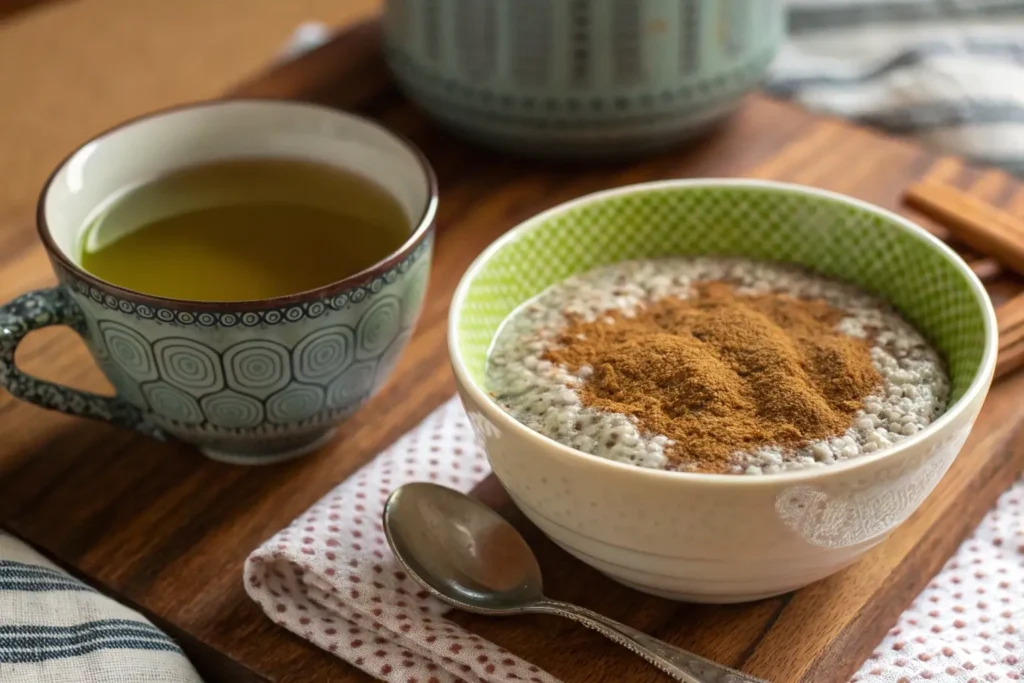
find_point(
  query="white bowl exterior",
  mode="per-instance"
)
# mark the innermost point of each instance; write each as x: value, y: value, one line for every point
x: 701, y: 539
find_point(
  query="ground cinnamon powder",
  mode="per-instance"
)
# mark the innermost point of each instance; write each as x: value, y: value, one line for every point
x: 722, y: 373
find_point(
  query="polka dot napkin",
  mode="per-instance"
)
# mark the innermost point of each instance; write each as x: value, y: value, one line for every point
x: 968, y: 624
x: 330, y: 578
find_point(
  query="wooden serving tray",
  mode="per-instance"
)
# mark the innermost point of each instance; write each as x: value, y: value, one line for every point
x: 165, y: 530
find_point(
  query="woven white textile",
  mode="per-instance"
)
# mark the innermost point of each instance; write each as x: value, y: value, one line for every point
x: 948, y: 74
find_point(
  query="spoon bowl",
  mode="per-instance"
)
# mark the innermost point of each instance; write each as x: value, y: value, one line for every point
x: 463, y: 552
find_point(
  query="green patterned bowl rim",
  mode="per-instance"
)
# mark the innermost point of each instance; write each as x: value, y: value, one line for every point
x: 978, y: 385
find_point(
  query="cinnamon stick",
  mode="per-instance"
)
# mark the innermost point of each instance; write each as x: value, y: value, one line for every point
x: 972, y: 221
x: 989, y: 231
x: 985, y: 268
x: 1010, y: 320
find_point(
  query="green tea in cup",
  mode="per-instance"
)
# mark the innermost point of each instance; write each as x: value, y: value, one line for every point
x: 243, y: 229
x: 246, y: 273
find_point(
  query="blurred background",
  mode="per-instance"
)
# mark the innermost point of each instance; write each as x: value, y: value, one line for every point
x: 69, y: 68
x: 948, y: 74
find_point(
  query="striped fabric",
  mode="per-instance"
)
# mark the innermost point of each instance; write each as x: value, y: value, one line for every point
x: 56, y: 629
x: 947, y: 73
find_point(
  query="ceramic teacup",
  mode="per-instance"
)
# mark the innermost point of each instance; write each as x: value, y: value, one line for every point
x: 246, y: 382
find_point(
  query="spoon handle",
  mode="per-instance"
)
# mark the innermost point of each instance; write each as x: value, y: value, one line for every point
x: 682, y: 665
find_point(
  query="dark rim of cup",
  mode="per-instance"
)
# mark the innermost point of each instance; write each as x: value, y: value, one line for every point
x: 424, y: 225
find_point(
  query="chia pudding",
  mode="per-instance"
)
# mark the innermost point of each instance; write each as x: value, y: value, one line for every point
x: 910, y: 390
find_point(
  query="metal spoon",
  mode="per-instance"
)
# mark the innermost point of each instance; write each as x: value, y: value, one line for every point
x: 468, y: 556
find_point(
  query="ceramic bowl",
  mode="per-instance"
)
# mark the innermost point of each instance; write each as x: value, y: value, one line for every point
x: 580, y: 78
x: 724, y: 538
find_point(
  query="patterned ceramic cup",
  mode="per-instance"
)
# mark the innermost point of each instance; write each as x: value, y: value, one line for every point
x: 717, y: 537
x: 247, y: 382
x: 578, y: 78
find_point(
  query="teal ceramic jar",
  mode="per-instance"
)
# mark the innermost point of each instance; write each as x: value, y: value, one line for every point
x: 580, y: 77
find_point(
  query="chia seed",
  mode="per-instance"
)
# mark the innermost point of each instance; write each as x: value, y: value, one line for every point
x: 544, y: 396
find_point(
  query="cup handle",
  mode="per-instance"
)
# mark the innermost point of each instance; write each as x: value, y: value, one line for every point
x: 43, y: 308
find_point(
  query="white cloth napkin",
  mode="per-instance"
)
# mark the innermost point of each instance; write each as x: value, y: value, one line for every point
x: 968, y: 624
x: 55, y: 629
x: 331, y: 578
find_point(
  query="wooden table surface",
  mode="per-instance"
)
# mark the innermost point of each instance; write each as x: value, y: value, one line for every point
x: 167, y: 531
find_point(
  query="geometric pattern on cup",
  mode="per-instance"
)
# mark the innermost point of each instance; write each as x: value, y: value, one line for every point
x: 231, y: 410
x: 172, y: 403
x: 378, y: 326
x: 258, y: 367
x: 129, y: 349
x: 356, y: 382
x: 295, y: 403
x: 324, y: 354
x: 189, y: 365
